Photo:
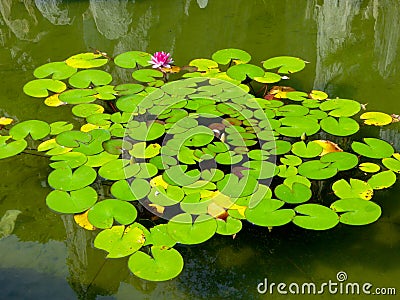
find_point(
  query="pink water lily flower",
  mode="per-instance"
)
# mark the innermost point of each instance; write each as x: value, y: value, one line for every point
x: 161, y: 60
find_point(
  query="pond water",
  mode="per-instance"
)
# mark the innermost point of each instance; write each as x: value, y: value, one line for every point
x: 353, y: 50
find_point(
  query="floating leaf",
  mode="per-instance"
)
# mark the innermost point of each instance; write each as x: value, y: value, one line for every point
x: 342, y: 127
x: 147, y: 75
x: 83, y: 221
x: 286, y: 64
x: 355, y: 189
x: 315, y: 217
x: 370, y: 167
x: 229, y: 226
x: 37, y: 129
x: 12, y: 148
x: 297, y: 126
x: 78, y: 96
x: 356, y: 211
x: 203, y: 64
x: 83, y: 79
x: 316, y: 169
x: 119, y: 241
x: 242, y: 71
x: 310, y: 150
x: 278, y: 147
x: 54, y: 101
x: 72, y: 202
x: 297, y: 96
x: 328, y: 146
x: 376, y: 118
x: 318, y: 95
x: 382, y: 180
x: 163, y: 264
x: 340, y: 160
x: 159, y: 236
x: 138, y: 189
x: 58, y: 70
x: 73, y: 139
x: 296, y: 178
x: 61, y: 126
x: 297, y: 193
x: 103, y: 213
x: 145, y: 132
x: 5, y: 121
x: 341, y: 107
x: 373, y: 148
x: 267, y: 213
x: 68, y: 160
x: 131, y: 59
x: 184, y: 231
x: 392, y: 163
x: 225, y: 56
x: 234, y: 187
x: 40, y: 87
x: 66, y: 180
x: 85, y: 110
x: 139, y: 150
x: 86, y: 61
x: 118, y: 169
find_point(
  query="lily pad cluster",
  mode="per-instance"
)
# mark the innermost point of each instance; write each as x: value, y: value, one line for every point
x: 198, y: 150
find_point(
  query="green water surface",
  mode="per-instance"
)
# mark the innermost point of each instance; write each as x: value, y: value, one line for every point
x: 353, y: 50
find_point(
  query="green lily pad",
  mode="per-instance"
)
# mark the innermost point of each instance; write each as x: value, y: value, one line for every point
x: 229, y: 226
x: 100, y: 159
x: 316, y: 169
x: 341, y: 160
x: 242, y: 71
x: 119, y: 241
x: 341, y: 107
x: 103, y: 213
x: 58, y: 70
x: 40, y: 87
x: 297, y: 96
x: 312, y: 149
x: 392, y: 163
x: 166, y: 197
x: 12, y: 148
x: 68, y: 160
x: 291, y: 160
x: 382, y: 180
x: 228, y: 158
x: 37, y: 129
x: 376, y: 118
x: 73, y: 139
x: 86, y: 60
x: 116, y: 146
x: 225, y: 56
x: 138, y: 189
x: 185, y: 231
x: 139, y: 150
x: 163, y: 264
x: 203, y: 64
x: 72, y: 202
x: 297, y: 178
x: 355, y: 189
x: 147, y: 75
x: 344, y: 126
x: 128, y: 88
x: 176, y: 175
x: 267, y: 213
x: 356, y: 211
x: 66, y: 180
x: 145, y: 132
x: 61, y: 126
x: 285, y: 64
x: 78, y: 96
x: 318, y: 95
x: 119, y: 169
x: 297, y: 126
x: 297, y: 193
x: 292, y: 110
x: 287, y: 171
x: 131, y: 59
x: 315, y: 217
x: 83, y: 79
x: 373, y: 148
x: 278, y: 147
x: 234, y: 187
x: 86, y: 109
x: 159, y: 236
x: 370, y: 167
